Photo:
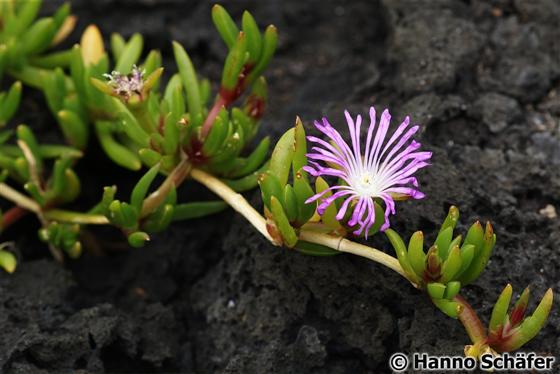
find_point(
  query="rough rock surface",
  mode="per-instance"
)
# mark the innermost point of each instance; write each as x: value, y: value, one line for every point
x: 212, y: 296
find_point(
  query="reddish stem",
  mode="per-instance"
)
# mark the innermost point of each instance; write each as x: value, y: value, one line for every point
x: 209, y: 121
x: 470, y: 321
x: 225, y: 97
x: 13, y: 215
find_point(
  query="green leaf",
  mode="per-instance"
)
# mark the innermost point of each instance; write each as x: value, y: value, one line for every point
x: 141, y: 188
x: 54, y: 87
x: 288, y: 233
x: 149, y: 156
x: 451, y: 219
x: 475, y: 236
x: 131, y: 125
x: 75, y: 131
x: 533, y: 324
x: 130, y: 54
x: 254, y: 38
x: 188, y: 76
x: 152, y: 79
x: 455, y: 242
x: 172, y: 87
x: 152, y: 62
x: 234, y: 63
x: 58, y: 185
x: 282, y: 157
x: 138, y: 239
x: 436, y: 290
x: 300, y: 150
x: 214, y: 142
x: 290, y: 203
x: 159, y: 220
x: 10, y: 103
x: 452, y: 289
x: 77, y: 70
x: 443, y: 241
x: 123, y: 214
x: 481, y: 257
x: 61, y: 59
x: 402, y: 254
x: 499, y: 312
x: 312, y: 249
x: 270, y: 187
x: 38, y: 37
x: 26, y: 14
x: 171, y: 134
x: 451, y: 308
x: 270, y: 42
x: 451, y: 266
x: 108, y: 197
x: 416, y: 254
x: 198, y: 209
x: 8, y: 261
x: 255, y: 159
x: 61, y: 15
x: 119, y: 154
x: 303, y: 192
x: 117, y: 45
x: 225, y: 25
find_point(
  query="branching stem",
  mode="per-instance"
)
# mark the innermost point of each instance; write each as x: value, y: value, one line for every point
x: 239, y: 204
x: 19, y: 199
x: 174, y: 179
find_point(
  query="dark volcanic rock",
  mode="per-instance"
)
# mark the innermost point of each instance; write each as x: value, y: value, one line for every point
x: 496, y: 111
x: 431, y: 48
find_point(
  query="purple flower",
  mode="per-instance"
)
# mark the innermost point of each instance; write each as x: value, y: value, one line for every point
x: 384, y: 171
x: 126, y: 85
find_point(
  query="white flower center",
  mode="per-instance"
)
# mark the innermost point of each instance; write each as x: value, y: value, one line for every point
x: 365, y: 184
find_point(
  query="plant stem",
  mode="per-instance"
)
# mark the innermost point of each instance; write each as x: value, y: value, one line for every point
x: 348, y: 246
x: 19, y: 199
x: 470, y: 321
x: 24, y: 203
x: 234, y: 199
x: 12, y: 216
x: 212, y: 114
x: 174, y: 179
x: 75, y: 217
x: 238, y: 203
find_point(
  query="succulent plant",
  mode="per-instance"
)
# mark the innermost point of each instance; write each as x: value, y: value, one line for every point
x: 181, y: 132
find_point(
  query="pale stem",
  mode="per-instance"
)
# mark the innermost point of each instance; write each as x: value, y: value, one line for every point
x: 26, y: 203
x: 348, y: 246
x: 174, y: 179
x: 34, y: 175
x: 239, y: 204
x: 19, y: 199
x: 234, y: 199
x: 75, y: 217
